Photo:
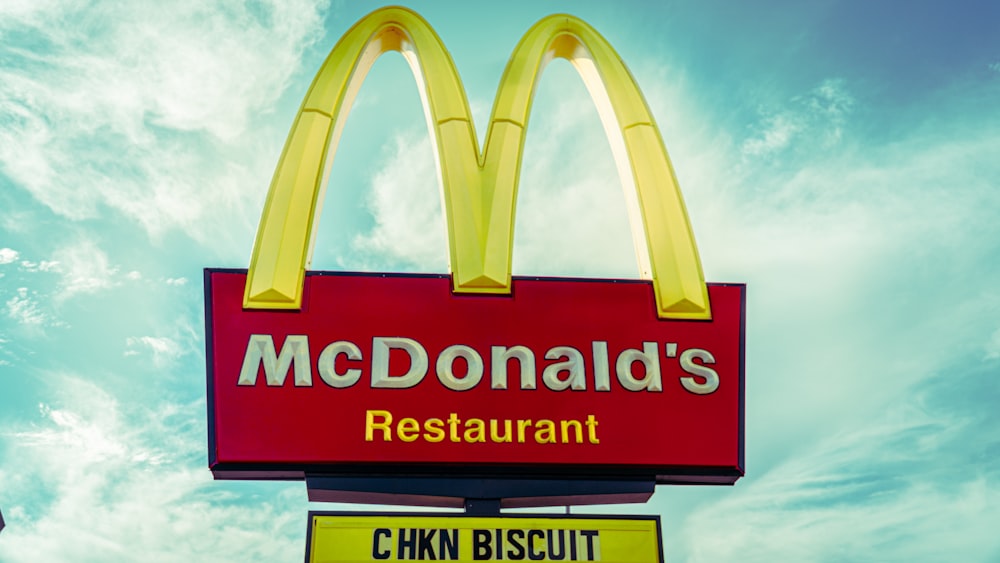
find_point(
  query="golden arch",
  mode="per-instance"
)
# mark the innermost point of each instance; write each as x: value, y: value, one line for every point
x: 479, y: 188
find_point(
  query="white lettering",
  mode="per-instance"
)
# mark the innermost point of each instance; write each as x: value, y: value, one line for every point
x: 577, y: 379
x: 260, y: 351
x: 708, y: 374
x: 380, y: 363
x: 328, y: 360
x: 498, y: 366
x: 602, y: 379
x: 341, y: 365
x: 650, y: 358
x: 446, y: 364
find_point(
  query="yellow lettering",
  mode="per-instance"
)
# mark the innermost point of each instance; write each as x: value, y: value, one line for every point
x: 592, y: 429
x: 435, y: 430
x: 453, y: 424
x: 521, y: 425
x: 545, y: 432
x: 371, y: 426
x: 493, y: 431
x: 475, y: 430
x: 379, y: 424
x: 565, y: 425
x: 408, y: 429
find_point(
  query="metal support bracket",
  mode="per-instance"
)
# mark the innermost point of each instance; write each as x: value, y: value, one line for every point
x: 474, y: 494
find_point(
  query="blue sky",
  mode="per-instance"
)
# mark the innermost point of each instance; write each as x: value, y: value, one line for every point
x: 838, y: 157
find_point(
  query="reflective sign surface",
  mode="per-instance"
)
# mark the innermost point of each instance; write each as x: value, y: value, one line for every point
x: 561, y: 377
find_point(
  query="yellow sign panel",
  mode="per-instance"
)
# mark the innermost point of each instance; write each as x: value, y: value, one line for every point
x: 353, y: 538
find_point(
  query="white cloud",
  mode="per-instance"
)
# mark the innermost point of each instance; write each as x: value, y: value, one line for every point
x: 176, y: 281
x: 8, y: 255
x: 23, y: 308
x: 118, y: 482
x: 143, y: 108
x: 406, y: 204
x: 914, y: 481
x: 6, y: 354
x: 43, y: 266
x: 26, y: 309
x: 164, y: 350
x: 571, y: 213
x: 814, y: 119
x: 993, y: 346
x: 28, y: 9
x: 775, y: 134
x: 84, y: 268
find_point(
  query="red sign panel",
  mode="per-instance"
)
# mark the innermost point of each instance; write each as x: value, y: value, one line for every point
x: 395, y: 374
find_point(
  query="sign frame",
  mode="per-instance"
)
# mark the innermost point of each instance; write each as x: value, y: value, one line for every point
x: 313, y: 514
x: 612, y: 470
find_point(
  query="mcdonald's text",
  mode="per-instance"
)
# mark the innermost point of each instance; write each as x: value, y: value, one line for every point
x: 399, y: 373
x: 568, y: 373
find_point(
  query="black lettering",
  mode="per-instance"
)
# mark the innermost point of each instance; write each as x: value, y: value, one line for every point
x: 532, y: 554
x: 481, y: 549
x: 552, y: 546
x: 590, y: 535
x: 426, y: 547
x: 448, y: 546
x: 516, y: 550
x: 572, y: 545
x: 407, y: 548
x: 377, y: 551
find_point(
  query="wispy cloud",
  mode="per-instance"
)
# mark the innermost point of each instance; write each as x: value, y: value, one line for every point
x: 167, y: 347
x: 85, y: 269
x: 7, y: 355
x: 992, y: 347
x: 138, y: 107
x: 24, y: 308
x: 572, y: 218
x: 871, y: 268
x: 409, y: 229
x: 815, y: 119
x: 8, y: 255
x: 108, y: 479
x: 42, y: 266
x: 164, y: 350
x: 909, y: 484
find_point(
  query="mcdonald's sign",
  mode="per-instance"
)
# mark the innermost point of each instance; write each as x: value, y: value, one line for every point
x: 476, y: 372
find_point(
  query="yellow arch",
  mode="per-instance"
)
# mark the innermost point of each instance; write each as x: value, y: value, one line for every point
x: 480, y: 189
